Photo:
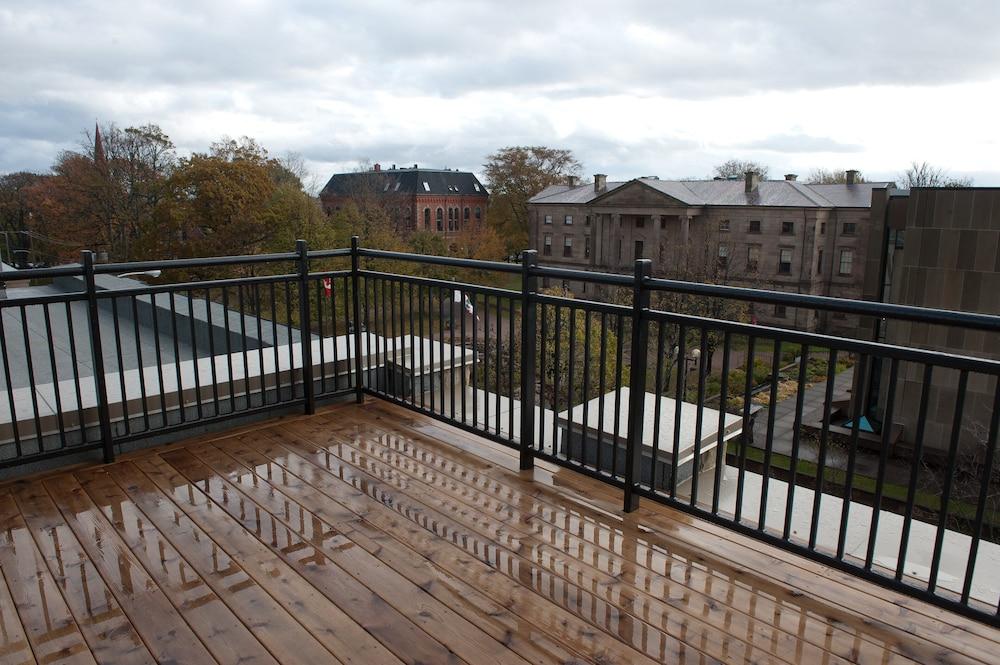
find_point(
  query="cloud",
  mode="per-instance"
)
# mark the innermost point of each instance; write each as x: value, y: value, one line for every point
x: 632, y: 87
x: 800, y: 143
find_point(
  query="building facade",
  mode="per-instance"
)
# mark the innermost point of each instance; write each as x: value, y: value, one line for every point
x: 417, y: 199
x: 935, y: 247
x: 782, y: 235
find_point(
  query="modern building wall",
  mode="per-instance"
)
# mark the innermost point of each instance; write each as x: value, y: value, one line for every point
x: 937, y: 247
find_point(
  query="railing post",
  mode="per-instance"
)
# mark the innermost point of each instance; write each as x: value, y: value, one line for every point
x: 97, y: 351
x: 305, y: 328
x: 637, y: 382
x: 356, y: 306
x: 529, y: 319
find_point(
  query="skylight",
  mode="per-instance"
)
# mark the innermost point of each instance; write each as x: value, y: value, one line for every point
x: 427, y: 187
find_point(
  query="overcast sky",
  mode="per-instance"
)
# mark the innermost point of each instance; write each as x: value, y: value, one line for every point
x: 633, y: 88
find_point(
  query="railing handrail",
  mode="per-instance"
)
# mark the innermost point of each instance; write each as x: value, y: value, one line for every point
x: 432, y: 259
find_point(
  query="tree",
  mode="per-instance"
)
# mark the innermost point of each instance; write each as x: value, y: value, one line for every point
x: 737, y: 168
x: 515, y: 174
x: 575, y: 385
x: 102, y: 197
x: 923, y: 174
x: 16, y: 214
x: 830, y: 177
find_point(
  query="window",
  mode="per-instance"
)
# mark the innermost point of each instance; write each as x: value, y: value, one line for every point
x: 427, y: 218
x: 586, y: 222
x: 395, y: 187
x: 723, y: 255
x: 586, y: 247
x: 724, y: 225
x: 784, y: 261
x: 663, y: 223
x: 619, y: 249
x: 822, y: 228
x: 779, y: 311
x: 753, y: 257
x: 819, y: 263
x: 476, y: 186
x: 466, y: 214
x: 846, y: 261
x: 567, y: 245
x: 583, y: 287
x: 638, y: 249
x: 548, y: 219
x: 787, y: 228
x: 427, y: 187
x: 849, y: 228
x: 568, y: 220
x: 753, y: 226
x: 640, y: 222
x: 547, y: 246
x: 451, y: 219
x: 440, y: 219
x: 479, y: 213
x: 386, y: 188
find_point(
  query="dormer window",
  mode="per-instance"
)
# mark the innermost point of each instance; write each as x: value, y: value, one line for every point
x: 476, y: 185
x: 427, y: 187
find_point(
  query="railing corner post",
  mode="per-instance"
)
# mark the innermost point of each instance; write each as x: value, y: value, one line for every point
x: 97, y: 351
x: 305, y: 328
x: 359, y: 384
x: 529, y: 322
x: 637, y: 382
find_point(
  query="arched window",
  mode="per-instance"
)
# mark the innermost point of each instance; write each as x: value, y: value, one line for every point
x: 440, y: 219
x: 427, y: 218
x: 479, y: 213
x: 466, y: 214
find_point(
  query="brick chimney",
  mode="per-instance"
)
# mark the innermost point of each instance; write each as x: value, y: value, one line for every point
x: 572, y: 181
x: 791, y: 176
x: 378, y: 167
x: 852, y: 177
x: 752, y: 180
x: 600, y: 182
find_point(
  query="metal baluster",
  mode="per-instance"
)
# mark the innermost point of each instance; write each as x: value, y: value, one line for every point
x: 769, y: 439
x: 359, y: 394
x: 745, y: 437
x: 118, y: 356
x: 800, y: 394
x: 138, y: 355
x: 949, y: 476
x: 720, y: 439
x: 680, y: 362
x: 699, y: 415
x: 831, y: 376
x: 857, y: 411
x: 882, y: 461
x: 195, y: 361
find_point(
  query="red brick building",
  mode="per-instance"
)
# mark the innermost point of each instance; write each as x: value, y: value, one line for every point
x: 439, y: 200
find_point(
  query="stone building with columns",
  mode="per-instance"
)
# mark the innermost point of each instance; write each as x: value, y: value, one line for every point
x: 774, y: 234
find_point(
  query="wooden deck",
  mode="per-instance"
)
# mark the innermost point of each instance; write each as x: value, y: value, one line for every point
x: 368, y: 534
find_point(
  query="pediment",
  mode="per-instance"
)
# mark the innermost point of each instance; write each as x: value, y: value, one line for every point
x: 637, y: 194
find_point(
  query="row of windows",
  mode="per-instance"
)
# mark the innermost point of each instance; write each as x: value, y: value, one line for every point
x: 567, y: 246
x: 845, y: 267
x: 788, y: 228
x: 454, y: 220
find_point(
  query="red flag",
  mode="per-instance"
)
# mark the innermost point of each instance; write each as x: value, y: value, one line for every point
x: 327, y: 286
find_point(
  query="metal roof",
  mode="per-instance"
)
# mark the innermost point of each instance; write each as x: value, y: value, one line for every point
x: 772, y: 193
x: 441, y: 182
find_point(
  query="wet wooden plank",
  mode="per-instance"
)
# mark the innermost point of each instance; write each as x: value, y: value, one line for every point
x: 48, y: 625
x: 174, y: 603
x: 345, y: 639
x: 524, y: 570
x: 919, y: 630
x: 448, y: 550
x: 439, y: 621
x: 790, y: 632
x: 397, y: 633
x: 521, y: 636
x: 107, y: 629
x: 14, y: 647
x: 271, y: 622
x: 494, y: 521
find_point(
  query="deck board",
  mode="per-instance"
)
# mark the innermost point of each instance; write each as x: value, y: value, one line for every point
x: 372, y: 534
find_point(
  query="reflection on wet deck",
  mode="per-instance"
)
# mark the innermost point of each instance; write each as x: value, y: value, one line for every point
x: 367, y: 534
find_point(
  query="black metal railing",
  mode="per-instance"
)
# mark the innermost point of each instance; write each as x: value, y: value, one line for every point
x: 874, y: 457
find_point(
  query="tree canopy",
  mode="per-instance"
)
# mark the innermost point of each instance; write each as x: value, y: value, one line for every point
x: 823, y: 176
x: 513, y: 175
x: 923, y: 174
x: 737, y: 168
